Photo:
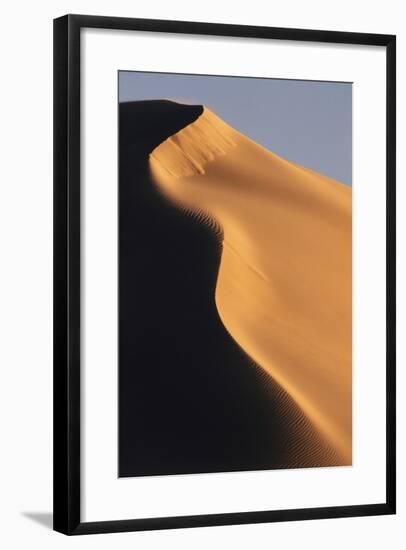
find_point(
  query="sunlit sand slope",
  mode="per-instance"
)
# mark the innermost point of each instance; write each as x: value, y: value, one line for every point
x: 284, y: 283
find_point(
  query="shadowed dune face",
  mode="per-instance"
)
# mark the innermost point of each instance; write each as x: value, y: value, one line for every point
x: 283, y: 289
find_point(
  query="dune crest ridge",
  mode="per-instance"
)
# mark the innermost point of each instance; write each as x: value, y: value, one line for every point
x: 188, y: 151
x: 284, y: 283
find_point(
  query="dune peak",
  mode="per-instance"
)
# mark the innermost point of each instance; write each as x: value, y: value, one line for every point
x: 187, y: 152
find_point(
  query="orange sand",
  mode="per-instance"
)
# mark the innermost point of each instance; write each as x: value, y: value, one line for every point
x: 284, y: 284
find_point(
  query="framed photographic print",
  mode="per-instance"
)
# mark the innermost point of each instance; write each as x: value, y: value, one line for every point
x: 224, y: 274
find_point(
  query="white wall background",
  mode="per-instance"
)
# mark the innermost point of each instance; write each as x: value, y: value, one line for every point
x: 26, y: 259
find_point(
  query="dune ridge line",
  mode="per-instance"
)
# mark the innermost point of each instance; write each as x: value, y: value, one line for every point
x: 188, y: 151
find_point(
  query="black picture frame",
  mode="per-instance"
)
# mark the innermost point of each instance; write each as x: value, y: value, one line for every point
x: 67, y: 163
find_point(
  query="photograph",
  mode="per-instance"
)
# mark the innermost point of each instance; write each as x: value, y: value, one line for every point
x: 235, y: 273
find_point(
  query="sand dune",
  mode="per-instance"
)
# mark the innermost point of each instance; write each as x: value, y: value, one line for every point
x: 284, y: 284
